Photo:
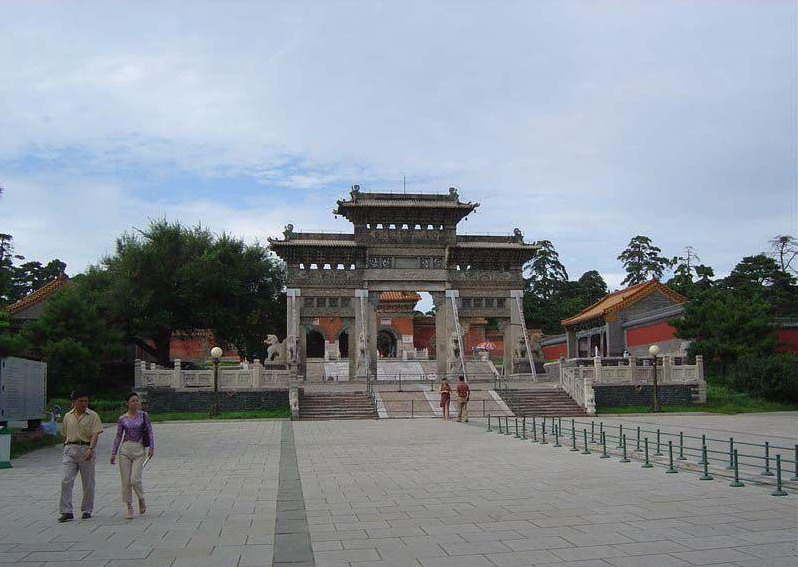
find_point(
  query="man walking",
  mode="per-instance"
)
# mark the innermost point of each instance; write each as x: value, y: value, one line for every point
x: 81, y: 429
x: 463, y: 395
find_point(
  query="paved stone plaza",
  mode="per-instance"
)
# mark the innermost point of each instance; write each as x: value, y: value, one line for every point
x: 391, y: 492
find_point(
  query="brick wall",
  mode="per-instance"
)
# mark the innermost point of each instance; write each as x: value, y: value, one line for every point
x: 629, y: 395
x: 169, y: 400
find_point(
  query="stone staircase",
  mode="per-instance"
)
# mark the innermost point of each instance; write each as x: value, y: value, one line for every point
x: 548, y: 402
x: 336, y: 405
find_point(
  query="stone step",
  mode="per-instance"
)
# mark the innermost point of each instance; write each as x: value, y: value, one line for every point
x: 336, y: 405
x: 549, y: 403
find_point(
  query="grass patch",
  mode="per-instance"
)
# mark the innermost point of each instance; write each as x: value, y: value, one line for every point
x: 110, y: 410
x: 720, y: 399
x: 18, y: 449
x: 200, y: 415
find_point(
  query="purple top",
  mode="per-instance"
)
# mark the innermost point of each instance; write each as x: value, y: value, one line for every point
x: 132, y: 429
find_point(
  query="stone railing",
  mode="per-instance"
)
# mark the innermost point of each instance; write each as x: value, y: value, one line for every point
x: 579, y: 376
x: 247, y: 376
x: 578, y: 383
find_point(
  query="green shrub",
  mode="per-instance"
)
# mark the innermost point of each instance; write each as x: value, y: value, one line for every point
x: 772, y: 378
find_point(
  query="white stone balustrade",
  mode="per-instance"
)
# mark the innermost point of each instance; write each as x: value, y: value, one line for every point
x: 578, y: 377
x: 240, y: 377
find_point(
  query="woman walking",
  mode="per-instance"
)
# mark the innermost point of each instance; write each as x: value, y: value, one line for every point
x: 135, y: 439
x: 446, y: 395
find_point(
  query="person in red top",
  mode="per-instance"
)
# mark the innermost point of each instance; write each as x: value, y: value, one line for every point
x: 463, y: 395
x: 446, y: 394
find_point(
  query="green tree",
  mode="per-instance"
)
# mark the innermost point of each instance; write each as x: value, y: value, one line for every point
x: 725, y: 326
x: 784, y: 249
x: 171, y: 278
x: 10, y: 343
x: 761, y: 275
x: 7, y: 258
x: 566, y: 299
x: 73, y: 339
x: 544, y: 272
x: 690, y: 277
x: 642, y: 261
x: 592, y: 287
x: 30, y: 276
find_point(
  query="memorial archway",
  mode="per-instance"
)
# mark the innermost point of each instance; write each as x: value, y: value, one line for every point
x: 402, y: 244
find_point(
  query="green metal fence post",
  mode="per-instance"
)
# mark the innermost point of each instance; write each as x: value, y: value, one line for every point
x: 500, y: 425
x: 638, y: 439
x: 604, y: 454
x: 736, y: 482
x: 543, y: 432
x: 779, y: 490
x: 592, y: 431
x: 585, y: 451
x: 523, y: 427
x: 625, y: 459
x: 534, y: 429
x: 489, y: 429
x: 706, y: 475
x: 671, y: 468
x: 556, y: 434
x: 647, y: 464
x: 767, y: 472
x: 620, y: 435
x: 573, y: 437
x: 681, y: 456
x: 517, y: 436
x: 703, y: 449
x: 659, y: 451
x: 731, y: 454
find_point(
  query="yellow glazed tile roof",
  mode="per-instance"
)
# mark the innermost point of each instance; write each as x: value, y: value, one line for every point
x: 620, y: 299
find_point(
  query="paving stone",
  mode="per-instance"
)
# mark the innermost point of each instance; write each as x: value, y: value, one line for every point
x: 710, y: 556
x: 590, y: 552
x: 647, y: 561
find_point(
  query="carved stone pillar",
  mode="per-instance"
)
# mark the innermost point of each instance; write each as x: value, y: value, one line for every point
x: 371, y: 318
x: 441, y: 334
x: 358, y: 343
x: 294, y: 354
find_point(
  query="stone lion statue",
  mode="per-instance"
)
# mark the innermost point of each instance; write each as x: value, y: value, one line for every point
x: 290, y: 348
x: 534, y: 344
x: 454, y: 345
x: 362, y: 347
x: 520, y: 348
x: 275, y: 350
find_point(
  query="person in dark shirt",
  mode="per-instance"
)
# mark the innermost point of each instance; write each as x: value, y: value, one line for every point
x: 463, y: 395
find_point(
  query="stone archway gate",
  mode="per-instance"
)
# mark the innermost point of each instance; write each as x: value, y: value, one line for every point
x: 405, y: 242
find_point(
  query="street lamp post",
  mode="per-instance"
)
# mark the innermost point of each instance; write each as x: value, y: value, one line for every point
x: 216, y: 354
x: 653, y: 350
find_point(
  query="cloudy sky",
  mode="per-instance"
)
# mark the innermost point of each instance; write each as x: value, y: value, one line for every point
x: 584, y: 123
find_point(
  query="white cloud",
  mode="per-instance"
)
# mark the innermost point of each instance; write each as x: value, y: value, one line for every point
x: 582, y: 123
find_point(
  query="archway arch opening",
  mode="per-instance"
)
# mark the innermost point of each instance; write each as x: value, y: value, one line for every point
x: 314, y: 344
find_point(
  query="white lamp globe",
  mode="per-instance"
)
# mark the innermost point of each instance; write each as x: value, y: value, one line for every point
x: 216, y: 353
x: 653, y: 350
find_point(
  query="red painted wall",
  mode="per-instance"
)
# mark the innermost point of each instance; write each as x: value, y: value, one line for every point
x: 554, y: 352
x: 423, y: 333
x: 790, y: 337
x: 654, y: 333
